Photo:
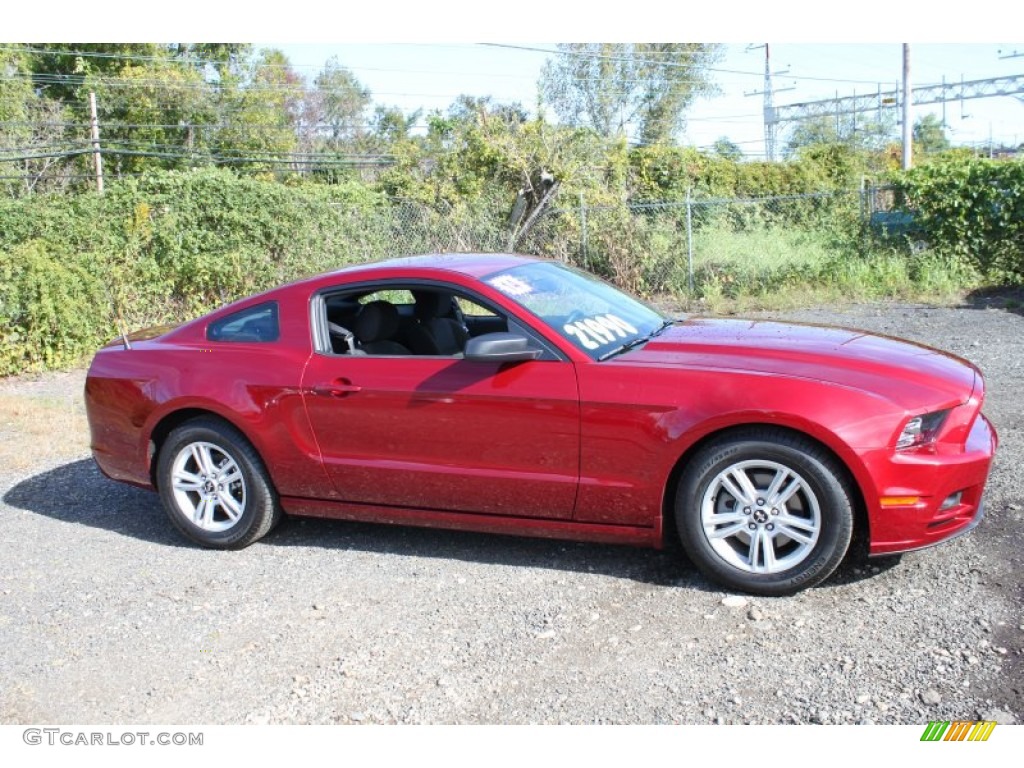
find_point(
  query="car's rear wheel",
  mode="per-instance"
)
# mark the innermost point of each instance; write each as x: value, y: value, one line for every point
x: 214, y: 485
x: 765, y: 511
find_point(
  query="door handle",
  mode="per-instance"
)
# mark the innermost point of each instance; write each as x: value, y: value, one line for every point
x: 337, y: 388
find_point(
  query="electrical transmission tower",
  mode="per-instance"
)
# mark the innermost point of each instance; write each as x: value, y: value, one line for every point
x: 1012, y: 85
x: 770, y: 123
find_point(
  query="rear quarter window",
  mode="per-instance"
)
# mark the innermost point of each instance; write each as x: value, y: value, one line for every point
x: 253, y: 325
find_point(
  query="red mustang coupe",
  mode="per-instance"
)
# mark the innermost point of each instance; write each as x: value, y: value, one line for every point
x: 516, y: 395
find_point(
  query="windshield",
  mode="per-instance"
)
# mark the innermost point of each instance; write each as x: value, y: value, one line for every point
x: 597, y: 318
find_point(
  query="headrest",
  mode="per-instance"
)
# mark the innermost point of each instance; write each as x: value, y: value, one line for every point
x: 377, y: 321
x: 431, y: 304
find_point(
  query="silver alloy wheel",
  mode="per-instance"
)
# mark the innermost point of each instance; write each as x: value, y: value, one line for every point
x: 760, y: 516
x: 208, y: 486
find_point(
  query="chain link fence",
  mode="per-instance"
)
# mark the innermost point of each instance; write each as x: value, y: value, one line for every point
x: 693, y: 246
x: 717, y: 244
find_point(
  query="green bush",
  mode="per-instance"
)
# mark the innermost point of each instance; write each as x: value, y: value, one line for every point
x: 973, y: 208
x: 52, y: 310
x: 163, y: 248
x: 170, y: 245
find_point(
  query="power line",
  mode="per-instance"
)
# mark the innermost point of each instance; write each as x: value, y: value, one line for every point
x: 60, y: 145
x: 57, y: 174
x: 719, y: 70
x: 65, y: 78
x: 104, y: 55
x: 279, y: 158
x: 296, y: 90
x: 214, y: 89
x: 260, y: 155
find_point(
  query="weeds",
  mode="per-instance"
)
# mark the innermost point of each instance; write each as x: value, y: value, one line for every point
x: 154, y: 250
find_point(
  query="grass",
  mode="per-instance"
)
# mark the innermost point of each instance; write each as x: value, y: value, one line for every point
x: 778, y: 268
x: 761, y: 251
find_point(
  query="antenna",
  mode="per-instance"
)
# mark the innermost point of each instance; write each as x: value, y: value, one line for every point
x: 115, y: 310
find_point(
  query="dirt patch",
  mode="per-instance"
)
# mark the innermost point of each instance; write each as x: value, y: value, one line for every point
x: 41, y: 419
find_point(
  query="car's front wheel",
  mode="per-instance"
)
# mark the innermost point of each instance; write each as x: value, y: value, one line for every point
x: 765, y: 511
x: 214, y: 486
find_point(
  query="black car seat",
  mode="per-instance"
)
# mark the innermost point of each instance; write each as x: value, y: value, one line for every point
x: 434, y: 310
x: 376, y: 326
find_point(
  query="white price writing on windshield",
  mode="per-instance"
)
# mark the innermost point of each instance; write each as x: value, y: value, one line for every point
x: 511, y: 285
x: 595, y: 332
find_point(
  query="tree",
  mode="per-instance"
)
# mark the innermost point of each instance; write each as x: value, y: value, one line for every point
x: 260, y: 112
x: 15, y: 134
x: 31, y: 128
x: 482, y: 154
x: 637, y: 89
x: 391, y: 125
x: 169, y: 105
x: 336, y: 106
x: 149, y: 113
x: 222, y: 58
x: 930, y: 135
x: 813, y: 132
x: 847, y: 130
x: 60, y: 69
x: 727, y: 149
x: 485, y: 109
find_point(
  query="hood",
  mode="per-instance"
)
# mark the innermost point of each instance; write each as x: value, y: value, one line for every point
x: 912, y: 375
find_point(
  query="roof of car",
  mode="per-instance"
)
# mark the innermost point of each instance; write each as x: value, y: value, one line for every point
x: 473, y: 264
x: 476, y: 265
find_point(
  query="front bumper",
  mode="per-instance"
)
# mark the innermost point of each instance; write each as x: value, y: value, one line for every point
x: 931, y: 479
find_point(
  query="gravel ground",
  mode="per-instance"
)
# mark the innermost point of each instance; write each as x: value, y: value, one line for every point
x: 107, y: 616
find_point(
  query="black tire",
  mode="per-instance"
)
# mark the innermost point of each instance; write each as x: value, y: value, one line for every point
x: 758, y: 546
x: 223, y: 497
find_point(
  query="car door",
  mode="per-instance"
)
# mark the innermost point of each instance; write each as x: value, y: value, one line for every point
x: 445, y: 433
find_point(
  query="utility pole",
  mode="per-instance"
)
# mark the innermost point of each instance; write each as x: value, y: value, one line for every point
x: 770, y: 121
x: 944, y: 124
x: 908, y: 129
x: 769, y: 107
x: 94, y: 126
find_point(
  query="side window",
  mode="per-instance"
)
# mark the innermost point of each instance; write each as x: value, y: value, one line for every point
x: 478, y: 319
x: 470, y: 308
x: 409, y: 320
x: 253, y: 324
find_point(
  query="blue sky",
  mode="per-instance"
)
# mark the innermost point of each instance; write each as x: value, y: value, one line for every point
x: 430, y: 75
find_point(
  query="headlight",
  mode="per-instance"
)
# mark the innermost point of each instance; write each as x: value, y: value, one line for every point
x: 921, y: 430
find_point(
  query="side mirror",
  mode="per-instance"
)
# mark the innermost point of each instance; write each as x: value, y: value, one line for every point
x: 500, y: 348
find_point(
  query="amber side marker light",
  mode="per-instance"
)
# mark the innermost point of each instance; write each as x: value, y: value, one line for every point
x: 899, y: 501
